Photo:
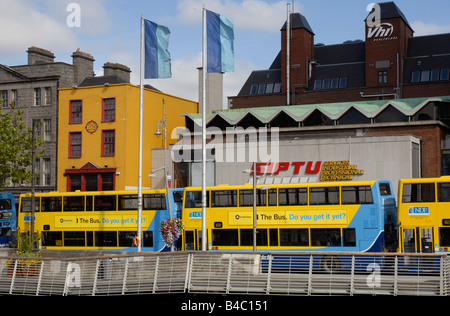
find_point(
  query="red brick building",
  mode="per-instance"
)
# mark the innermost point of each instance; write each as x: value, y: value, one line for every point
x: 390, y: 64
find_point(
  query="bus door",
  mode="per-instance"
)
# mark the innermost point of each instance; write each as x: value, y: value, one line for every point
x: 193, y: 239
x: 417, y: 240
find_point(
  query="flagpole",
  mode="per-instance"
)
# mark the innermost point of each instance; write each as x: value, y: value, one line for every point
x: 204, y: 71
x: 141, y: 111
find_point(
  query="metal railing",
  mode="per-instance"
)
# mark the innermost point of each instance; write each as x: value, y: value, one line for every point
x: 229, y: 273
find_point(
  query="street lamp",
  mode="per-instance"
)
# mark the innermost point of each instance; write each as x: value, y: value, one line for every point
x: 254, y: 200
x: 162, y: 125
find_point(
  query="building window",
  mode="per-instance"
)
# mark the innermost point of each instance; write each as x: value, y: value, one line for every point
x: 37, y: 128
x: 343, y: 82
x: 415, y: 76
x: 37, y: 96
x: 47, y: 130
x: 15, y: 96
x: 253, y: 89
x: 444, y: 74
x: 326, y: 84
x: 97, y: 181
x: 261, y: 88
x: 4, y: 97
x: 277, y: 87
x: 76, y: 111
x: 109, y: 110
x: 48, y: 96
x: 74, y: 144
x: 47, y: 171
x: 317, y: 84
x: 425, y: 76
x: 37, y: 170
x: 382, y: 77
x: 434, y: 75
x: 75, y: 182
x: 334, y: 83
x: 108, y: 142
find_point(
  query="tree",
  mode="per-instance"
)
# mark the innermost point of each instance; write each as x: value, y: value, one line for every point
x: 16, y: 143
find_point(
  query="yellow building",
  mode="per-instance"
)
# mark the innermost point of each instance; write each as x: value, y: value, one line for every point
x: 98, y: 134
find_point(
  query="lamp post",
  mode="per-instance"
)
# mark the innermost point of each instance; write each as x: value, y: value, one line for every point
x: 162, y: 125
x: 254, y: 201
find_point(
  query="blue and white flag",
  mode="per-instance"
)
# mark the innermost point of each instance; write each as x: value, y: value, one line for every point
x: 220, y: 43
x: 157, y: 56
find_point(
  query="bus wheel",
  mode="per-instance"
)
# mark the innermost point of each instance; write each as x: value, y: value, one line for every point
x: 330, y: 264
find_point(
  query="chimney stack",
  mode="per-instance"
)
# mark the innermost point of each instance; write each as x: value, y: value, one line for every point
x: 119, y: 70
x: 38, y: 55
x: 83, y: 66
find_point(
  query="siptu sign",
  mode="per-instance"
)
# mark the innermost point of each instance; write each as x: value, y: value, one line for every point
x: 339, y: 170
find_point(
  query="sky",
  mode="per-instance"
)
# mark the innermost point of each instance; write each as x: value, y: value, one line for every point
x: 109, y: 30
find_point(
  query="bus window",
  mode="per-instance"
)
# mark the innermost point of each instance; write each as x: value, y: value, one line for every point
x: 325, y: 237
x: 349, y: 237
x: 128, y: 203
x: 73, y: 203
x: 357, y: 195
x: 324, y: 196
x: 418, y: 192
x: 294, y: 237
x: 385, y: 189
x: 5, y: 204
x: 246, y: 197
x: 273, y: 237
x: 226, y: 198
x: 443, y: 192
x: 105, y: 203
x: 189, y: 240
x: 194, y: 199
x: 247, y: 237
x: 272, y: 197
x: 51, y: 204
x: 126, y: 238
x: 297, y: 196
x: 49, y: 239
x: 105, y: 239
x: 409, y: 240
x: 225, y: 237
x: 444, y: 236
x: 154, y: 202
x: 74, y: 239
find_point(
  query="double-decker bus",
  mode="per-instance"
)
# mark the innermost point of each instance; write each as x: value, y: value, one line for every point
x: 357, y: 216
x: 8, y: 219
x: 424, y: 215
x: 95, y: 220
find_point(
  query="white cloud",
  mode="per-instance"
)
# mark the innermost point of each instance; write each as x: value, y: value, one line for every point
x: 185, y: 82
x: 248, y: 14
x: 420, y: 28
x: 24, y: 26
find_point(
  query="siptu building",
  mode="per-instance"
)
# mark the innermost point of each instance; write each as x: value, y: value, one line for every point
x: 34, y: 88
x: 389, y: 64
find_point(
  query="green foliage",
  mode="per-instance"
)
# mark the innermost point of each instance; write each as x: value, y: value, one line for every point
x: 15, y: 146
x: 24, y: 245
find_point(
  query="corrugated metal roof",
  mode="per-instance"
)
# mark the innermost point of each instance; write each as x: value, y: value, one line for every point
x: 334, y: 111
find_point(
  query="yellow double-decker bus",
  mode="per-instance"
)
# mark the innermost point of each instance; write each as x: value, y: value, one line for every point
x: 357, y: 216
x: 424, y: 215
x: 95, y: 220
